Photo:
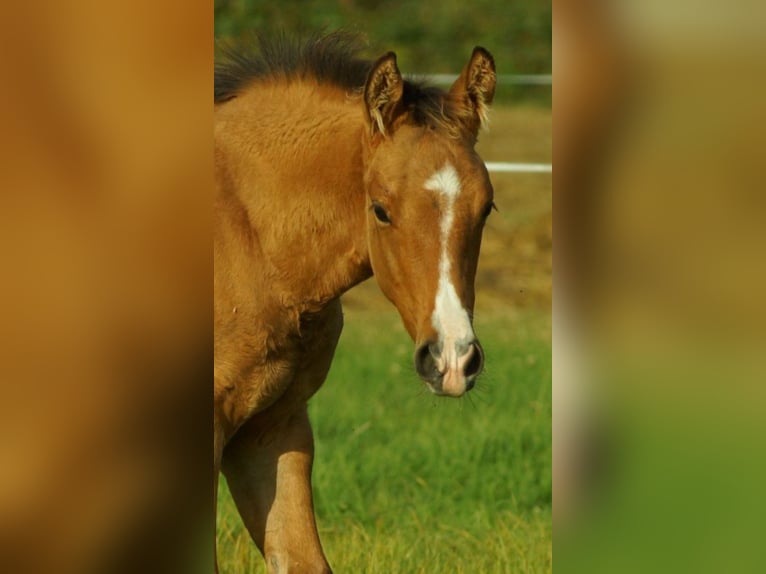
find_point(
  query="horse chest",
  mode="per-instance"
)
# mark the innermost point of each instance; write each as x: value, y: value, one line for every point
x: 277, y: 373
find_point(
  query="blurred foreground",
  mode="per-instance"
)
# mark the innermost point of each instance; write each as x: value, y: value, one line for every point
x: 106, y: 342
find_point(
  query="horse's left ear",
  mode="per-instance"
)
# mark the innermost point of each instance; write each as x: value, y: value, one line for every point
x: 382, y: 93
x: 474, y: 89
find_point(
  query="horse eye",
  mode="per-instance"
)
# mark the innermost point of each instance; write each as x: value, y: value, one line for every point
x: 380, y: 213
x: 488, y: 209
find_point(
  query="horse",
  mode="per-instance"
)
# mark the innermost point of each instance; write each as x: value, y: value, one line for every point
x: 330, y: 169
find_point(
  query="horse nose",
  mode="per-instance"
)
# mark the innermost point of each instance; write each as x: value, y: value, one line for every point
x: 425, y: 361
x: 475, y: 363
x: 432, y: 363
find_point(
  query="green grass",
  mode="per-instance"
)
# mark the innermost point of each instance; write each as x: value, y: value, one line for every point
x: 406, y: 482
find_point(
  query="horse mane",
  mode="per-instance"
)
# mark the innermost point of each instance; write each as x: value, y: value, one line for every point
x: 329, y: 59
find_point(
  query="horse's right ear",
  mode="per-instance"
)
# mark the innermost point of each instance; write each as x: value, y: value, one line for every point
x: 382, y: 93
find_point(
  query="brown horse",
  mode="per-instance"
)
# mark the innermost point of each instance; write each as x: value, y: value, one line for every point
x: 331, y: 169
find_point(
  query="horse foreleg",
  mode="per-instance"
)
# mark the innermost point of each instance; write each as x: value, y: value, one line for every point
x: 269, y: 475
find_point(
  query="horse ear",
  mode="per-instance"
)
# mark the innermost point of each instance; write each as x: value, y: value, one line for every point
x: 474, y: 89
x: 382, y: 92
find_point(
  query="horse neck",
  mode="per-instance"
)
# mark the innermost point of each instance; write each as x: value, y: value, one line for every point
x: 307, y: 205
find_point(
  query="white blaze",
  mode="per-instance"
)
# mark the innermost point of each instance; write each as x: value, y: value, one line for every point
x: 450, y: 319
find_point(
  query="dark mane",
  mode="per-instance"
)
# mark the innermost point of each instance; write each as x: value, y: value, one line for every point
x: 331, y: 59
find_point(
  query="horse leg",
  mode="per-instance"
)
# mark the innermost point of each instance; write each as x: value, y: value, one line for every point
x: 269, y: 475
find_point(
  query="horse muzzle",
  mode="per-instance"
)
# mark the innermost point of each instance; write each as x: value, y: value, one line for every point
x: 449, y: 369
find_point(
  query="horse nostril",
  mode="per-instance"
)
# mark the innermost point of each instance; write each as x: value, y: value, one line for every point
x: 476, y: 363
x: 425, y: 363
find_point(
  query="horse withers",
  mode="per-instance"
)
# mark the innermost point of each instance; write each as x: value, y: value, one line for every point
x: 331, y: 169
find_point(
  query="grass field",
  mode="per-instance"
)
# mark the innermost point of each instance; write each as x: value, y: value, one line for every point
x: 405, y: 482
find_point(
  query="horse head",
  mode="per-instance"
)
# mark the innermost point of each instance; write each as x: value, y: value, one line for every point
x: 428, y: 196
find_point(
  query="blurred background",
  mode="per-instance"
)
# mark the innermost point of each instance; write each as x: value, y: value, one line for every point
x: 428, y: 37
x: 659, y: 272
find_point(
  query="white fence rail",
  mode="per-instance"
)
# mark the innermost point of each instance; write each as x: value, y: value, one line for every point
x: 508, y: 167
x: 503, y: 79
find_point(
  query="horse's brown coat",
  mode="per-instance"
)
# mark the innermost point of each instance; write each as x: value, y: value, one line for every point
x: 298, y: 162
